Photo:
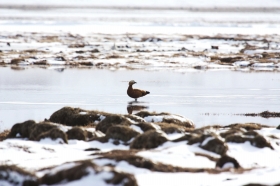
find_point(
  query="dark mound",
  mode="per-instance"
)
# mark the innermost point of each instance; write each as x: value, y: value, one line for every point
x: 78, y: 133
x: 17, y: 60
x: 74, y: 117
x: 54, y: 134
x: 111, y: 120
x: 39, y: 129
x: 247, y: 126
x: 145, y: 126
x: 227, y: 159
x: 24, y: 129
x: 119, y: 132
x: 148, y: 140
x: 87, y: 168
x: 209, y: 142
x: 256, y: 140
x: 14, y: 175
x: 215, y: 145
x: 232, y: 131
x: 170, y: 128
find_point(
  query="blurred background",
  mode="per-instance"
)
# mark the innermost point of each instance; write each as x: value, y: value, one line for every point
x: 145, y: 16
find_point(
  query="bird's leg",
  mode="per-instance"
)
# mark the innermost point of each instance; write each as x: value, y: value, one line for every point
x: 135, y: 99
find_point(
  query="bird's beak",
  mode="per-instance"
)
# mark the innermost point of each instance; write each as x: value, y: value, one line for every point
x: 135, y: 82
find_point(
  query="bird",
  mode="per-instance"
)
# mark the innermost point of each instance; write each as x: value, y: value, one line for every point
x: 135, y: 93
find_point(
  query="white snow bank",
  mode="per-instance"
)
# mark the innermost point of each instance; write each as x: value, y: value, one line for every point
x: 160, y: 118
x: 241, y: 63
x: 261, y: 65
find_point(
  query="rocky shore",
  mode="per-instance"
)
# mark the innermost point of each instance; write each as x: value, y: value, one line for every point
x: 140, y: 51
x: 78, y: 147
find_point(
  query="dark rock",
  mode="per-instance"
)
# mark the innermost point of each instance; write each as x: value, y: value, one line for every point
x: 148, y: 140
x: 227, y: 159
x: 120, y: 132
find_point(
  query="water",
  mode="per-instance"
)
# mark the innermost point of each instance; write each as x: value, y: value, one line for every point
x: 206, y: 97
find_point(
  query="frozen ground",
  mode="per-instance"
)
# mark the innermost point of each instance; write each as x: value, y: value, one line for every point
x: 184, y: 155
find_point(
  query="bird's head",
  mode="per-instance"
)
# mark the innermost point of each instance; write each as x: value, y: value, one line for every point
x: 131, y: 82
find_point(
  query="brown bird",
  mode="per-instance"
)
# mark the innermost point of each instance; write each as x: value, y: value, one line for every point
x: 135, y: 93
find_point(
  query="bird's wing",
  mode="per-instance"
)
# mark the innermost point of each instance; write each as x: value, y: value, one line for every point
x: 139, y: 93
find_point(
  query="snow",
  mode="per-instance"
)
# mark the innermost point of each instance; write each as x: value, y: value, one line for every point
x: 207, y: 140
x: 241, y: 63
x: 159, y: 118
x: 182, y: 156
x: 36, y: 155
x: 101, y: 117
x: 13, y: 176
x: 228, y: 165
x: 136, y: 128
x: 263, y: 65
x: 153, y: 118
x: 92, y: 177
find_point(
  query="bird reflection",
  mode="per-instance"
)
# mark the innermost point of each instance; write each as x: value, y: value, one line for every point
x: 132, y: 108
